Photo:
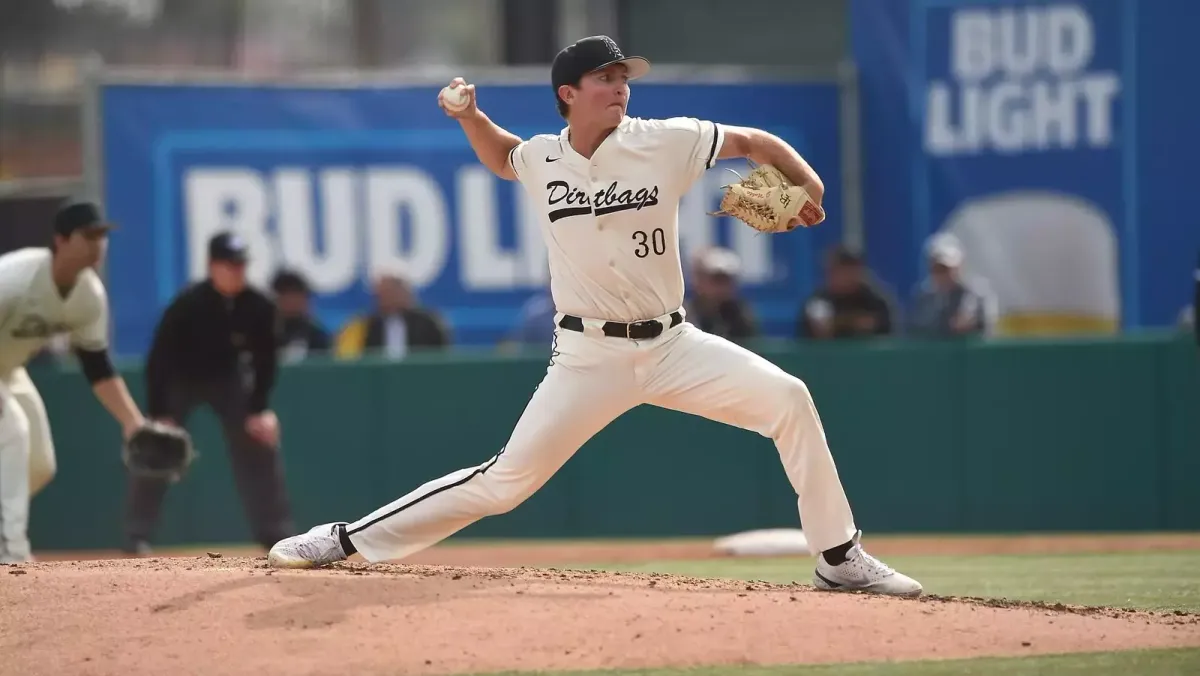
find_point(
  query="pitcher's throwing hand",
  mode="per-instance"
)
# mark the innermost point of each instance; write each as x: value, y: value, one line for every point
x: 458, y: 98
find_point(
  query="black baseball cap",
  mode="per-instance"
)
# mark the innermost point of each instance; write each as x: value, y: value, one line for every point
x: 79, y: 215
x: 226, y: 246
x: 591, y: 54
x: 290, y: 281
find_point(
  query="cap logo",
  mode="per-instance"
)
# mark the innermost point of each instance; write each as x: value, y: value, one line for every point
x: 611, y: 46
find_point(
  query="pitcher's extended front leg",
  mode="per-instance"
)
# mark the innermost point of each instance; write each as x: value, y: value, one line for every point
x: 572, y: 403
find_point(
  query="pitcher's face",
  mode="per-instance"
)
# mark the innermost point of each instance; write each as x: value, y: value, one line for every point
x: 601, y: 98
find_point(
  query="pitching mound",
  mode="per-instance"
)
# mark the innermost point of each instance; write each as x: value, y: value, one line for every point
x: 235, y: 616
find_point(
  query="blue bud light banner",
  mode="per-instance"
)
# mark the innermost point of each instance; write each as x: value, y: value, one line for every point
x: 344, y: 184
x: 1038, y: 135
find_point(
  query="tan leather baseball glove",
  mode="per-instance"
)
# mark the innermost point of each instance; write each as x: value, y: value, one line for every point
x: 766, y: 201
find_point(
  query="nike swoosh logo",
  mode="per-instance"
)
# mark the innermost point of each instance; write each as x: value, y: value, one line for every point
x: 553, y: 160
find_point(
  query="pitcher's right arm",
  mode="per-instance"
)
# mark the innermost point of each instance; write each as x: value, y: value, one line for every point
x: 491, y: 142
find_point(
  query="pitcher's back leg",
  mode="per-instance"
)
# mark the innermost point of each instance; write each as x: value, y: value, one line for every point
x: 709, y: 376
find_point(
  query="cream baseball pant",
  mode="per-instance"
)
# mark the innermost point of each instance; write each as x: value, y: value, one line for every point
x: 591, y: 380
x: 27, y: 461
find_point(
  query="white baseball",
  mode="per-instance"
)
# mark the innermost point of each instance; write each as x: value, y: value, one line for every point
x: 455, y: 98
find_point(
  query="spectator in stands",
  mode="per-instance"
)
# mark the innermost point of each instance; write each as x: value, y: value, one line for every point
x: 850, y: 305
x: 946, y: 303
x: 397, y: 327
x: 714, y: 305
x: 534, y: 326
x: 300, y: 334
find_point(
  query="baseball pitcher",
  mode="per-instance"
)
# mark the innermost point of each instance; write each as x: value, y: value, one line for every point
x: 608, y: 189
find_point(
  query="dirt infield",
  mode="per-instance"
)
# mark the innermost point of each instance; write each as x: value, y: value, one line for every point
x: 233, y: 615
x: 565, y: 552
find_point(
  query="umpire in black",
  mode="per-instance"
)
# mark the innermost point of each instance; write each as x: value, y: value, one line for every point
x: 216, y: 344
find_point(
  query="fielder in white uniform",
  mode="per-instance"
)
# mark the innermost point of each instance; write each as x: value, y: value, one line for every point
x: 609, y: 188
x: 43, y: 293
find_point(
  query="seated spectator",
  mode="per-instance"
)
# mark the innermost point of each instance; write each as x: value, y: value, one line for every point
x: 396, y: 327
x: 534, y: 325
x: 947, y: 304
x: 850, y: 305
x: 300, y: 334
x: 714, y: 305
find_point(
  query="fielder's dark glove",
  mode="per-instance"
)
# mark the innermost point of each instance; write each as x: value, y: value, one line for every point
x: 159, y: 451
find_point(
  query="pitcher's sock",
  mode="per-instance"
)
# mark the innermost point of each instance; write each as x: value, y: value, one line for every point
x: 837, y: 555
x: 347, y: 546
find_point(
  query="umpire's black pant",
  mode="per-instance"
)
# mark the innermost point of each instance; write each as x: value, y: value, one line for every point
x: 257, y: 468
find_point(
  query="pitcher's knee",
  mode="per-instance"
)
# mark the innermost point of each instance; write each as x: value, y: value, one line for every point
x: 793, y: 404
x: 503, y: 504
x: 791, y: 393
x: 797, y: 391
x: 499, y: 496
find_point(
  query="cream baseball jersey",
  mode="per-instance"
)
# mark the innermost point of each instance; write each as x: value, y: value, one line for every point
x: 32, y: 310
x: 611, y: 223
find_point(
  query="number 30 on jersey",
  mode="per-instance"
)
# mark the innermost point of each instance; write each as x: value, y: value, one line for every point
x: 655, y: 242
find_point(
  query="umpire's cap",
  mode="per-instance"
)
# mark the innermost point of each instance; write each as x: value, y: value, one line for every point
x: 76, y: 215
x: 591, y: 54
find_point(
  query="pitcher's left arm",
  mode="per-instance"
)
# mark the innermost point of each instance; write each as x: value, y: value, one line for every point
x: 765, y: 148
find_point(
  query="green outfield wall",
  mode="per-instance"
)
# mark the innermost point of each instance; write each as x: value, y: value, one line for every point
x: 949, y: 437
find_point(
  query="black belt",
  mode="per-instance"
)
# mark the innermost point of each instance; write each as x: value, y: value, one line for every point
x: 643, y: 330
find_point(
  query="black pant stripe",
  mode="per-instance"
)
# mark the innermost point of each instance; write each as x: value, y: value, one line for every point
x: 479, y: 471
x: 416, y: 501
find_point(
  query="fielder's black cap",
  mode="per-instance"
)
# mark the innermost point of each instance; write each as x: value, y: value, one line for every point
x: 590, y: 54
x: 226, y: 246
x: 79, y: 215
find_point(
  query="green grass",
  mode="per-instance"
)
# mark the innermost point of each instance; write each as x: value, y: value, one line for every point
x: 1150, y: 580
x: 1130, y: 663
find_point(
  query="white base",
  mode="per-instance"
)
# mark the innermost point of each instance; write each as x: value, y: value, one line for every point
x: 766, y: 542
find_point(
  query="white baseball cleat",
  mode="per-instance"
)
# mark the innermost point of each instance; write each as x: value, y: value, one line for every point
x: 863, y: 572
x: 320, y: 546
